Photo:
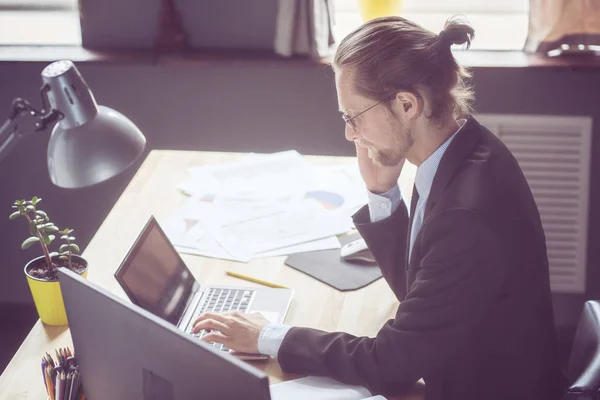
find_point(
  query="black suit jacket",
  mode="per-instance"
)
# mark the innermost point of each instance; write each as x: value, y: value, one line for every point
x: 475, y: 317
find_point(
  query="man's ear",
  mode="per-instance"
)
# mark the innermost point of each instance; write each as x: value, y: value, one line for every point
x: 410, y: 104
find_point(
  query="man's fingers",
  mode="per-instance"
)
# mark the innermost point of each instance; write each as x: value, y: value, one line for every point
x: 216, y: 337
x: 234, y: 314
x: 211, y: 315
x: 210, y: 324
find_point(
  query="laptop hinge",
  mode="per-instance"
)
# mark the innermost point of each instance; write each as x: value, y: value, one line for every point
x: 190, y: 307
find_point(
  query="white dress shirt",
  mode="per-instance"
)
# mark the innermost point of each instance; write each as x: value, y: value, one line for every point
x: 381, y: 206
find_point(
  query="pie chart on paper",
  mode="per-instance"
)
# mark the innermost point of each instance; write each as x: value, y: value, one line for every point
x: 329, y: 200
x: 189, y: 224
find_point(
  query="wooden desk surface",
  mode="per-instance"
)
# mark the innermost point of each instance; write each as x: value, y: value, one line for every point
x: 153, y: 191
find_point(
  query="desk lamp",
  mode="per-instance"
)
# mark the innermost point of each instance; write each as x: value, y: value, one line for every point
x: 89, y: 144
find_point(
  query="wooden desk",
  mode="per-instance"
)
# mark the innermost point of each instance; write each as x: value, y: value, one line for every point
x: 153, y: 191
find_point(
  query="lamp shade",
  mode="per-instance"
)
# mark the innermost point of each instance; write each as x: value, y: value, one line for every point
x: 91, y: 153
x: 90, y: 143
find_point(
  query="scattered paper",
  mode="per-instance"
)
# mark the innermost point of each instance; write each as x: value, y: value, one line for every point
x: 317, y: 388
x: 328, y: 243
x: 265, y: 205
x: 279, y: 230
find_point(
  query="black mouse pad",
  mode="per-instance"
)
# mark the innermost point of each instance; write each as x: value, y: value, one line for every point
x: 329, y: 268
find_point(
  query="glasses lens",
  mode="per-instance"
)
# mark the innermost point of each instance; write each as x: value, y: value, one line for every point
x: 348, y: 121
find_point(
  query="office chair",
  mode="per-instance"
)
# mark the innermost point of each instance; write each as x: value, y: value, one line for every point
x: 583, y: 370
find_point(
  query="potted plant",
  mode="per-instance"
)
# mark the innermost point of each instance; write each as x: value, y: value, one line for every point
x: 41, y: 272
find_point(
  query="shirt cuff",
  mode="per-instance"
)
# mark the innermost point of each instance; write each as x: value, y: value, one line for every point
x: 381, y: 206
x: 271, y: 337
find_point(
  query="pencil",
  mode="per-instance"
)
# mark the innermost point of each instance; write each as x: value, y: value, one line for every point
x: 49, y: 388
x: 72, y: 389
x: 44, y: 363
x: 67, y: 395
x: 57, y: 387
x: 255, y: 280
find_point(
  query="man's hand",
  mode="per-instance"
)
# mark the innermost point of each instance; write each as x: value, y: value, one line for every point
x: 235, y: 330
x: 377, y: 178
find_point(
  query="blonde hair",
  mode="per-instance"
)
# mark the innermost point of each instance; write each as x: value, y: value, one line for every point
x: 392, y: 54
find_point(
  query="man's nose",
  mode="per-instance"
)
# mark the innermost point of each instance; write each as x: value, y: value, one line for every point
x: 350, y: 133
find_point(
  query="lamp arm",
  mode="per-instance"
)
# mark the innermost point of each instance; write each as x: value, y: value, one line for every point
x: 11, y: 134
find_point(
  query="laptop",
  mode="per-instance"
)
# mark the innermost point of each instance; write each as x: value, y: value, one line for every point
x: 125, y: 352
x: 154, y: 277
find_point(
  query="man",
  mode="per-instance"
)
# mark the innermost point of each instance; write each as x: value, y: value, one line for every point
x: 467, y: 259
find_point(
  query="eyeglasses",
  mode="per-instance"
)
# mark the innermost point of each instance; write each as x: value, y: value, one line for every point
x: 350, y: 120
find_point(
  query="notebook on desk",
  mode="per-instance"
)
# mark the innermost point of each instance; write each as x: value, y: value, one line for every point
x: 154, y: 277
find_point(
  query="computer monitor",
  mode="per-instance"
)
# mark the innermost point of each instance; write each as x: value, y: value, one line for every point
x: 125, y: 352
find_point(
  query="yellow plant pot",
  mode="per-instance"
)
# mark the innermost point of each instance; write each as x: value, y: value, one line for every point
x: 47, y: 295
x: 371, y: 9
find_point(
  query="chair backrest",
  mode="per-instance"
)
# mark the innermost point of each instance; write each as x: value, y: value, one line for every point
x: 583, y: 370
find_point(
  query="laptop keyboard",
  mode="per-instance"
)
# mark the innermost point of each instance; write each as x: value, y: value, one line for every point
x: 220, y: 301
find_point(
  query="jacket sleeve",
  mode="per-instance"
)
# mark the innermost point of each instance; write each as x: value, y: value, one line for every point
x: 387, y: 241
x: 460, y: 277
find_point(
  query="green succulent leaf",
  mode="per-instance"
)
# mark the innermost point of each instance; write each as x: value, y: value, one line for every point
x: 15, y: 215
x: 29, y: 208
x: 64, y: 237
x: 51, y: 237
x: 41, y: 213
x: 71, y: 238
x: 34, y: 200
x: 29, y: 241
x: 64, y: 232
x: 64, y: 257
x: 74, y: 247
x: 46, y: 238
x: 63, y: 248
x: 32, y: 228
x: 52, y: 229
x: 53, y: 254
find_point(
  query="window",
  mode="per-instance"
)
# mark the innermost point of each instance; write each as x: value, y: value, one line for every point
x: 39, y: 22
x: 499, y: 25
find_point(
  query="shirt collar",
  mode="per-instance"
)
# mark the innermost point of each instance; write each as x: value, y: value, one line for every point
x: 428, y: 168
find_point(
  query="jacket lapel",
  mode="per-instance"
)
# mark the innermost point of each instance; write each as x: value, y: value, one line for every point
x: 460, y: 148
x: 462, y: 145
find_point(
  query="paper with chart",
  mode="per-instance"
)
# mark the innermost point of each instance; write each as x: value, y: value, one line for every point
x: 281, y: 229
x: 189, y: 235
x: 265, y: 205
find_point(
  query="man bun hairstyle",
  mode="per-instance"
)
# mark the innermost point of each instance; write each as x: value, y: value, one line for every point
x: 392, y: 54
x: 457, y: 31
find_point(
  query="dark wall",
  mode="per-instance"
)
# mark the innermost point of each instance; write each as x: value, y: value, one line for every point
x: 246, y: 107
x: 235, y: 108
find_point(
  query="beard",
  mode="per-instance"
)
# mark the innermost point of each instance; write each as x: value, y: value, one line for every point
x: 393, y: 156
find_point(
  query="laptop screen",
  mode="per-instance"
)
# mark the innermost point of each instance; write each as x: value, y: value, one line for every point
x: 154, y: 276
